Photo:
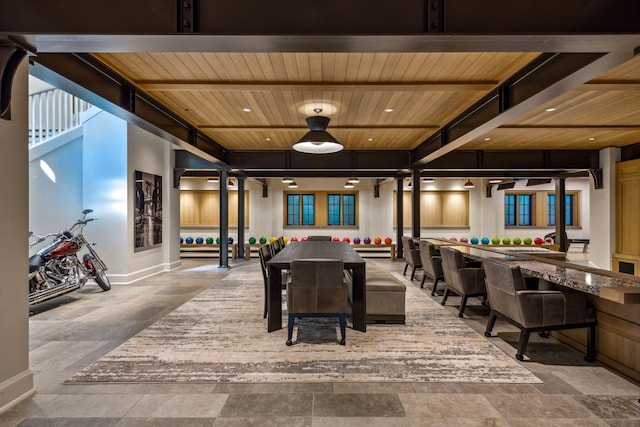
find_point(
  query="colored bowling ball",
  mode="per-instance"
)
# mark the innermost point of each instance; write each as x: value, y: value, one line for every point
x: 335, y: 239
x: 252, y: 240
x: 506, y: 241
x: 209, y: 240
x: 517, y: 241
x: 346, y: 239
x: 273, y: 239
x: 189, y: 240
x: 453, y: 239
x: 285, y: 240
x: 377, y: 240
x: 495, y: 241
x: 230, y: 240
x: 217, y: 240
x: 474, y: 240
x: 305, y: 238
x: 537, y: 241
x: 367, y: 240
x: 356, y: 240
x: 527, y: 240
x: 485, y: 240
x: 181, y: 240
x: 387, y: 241
x: 294, y: 239
x: 263, y: 240
x: 549, y: 241
x: 464, y: 240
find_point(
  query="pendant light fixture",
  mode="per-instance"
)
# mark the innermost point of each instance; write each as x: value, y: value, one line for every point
x: 428, y: 180
x: 287, y: 180
x: 348, y: 184
x: 469, y: 184
x: 213, y: 179
x: 318, y: 140
x: 353, y: 180
x: 293, y: 184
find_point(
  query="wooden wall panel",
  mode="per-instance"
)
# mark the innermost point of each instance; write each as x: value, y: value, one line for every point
x: 202, y: 208
x: 430, y: 209
x: 437, y: 209
x: 455, y: 209
x: 627, y: 207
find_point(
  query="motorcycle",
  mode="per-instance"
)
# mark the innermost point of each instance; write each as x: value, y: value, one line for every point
x: 56, y: 270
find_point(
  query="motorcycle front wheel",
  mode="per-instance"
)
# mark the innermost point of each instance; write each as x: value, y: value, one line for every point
x: 101, y: 278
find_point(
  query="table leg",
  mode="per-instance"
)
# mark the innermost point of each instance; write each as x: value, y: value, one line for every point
x: 274, y: 300
x: 359, y: 301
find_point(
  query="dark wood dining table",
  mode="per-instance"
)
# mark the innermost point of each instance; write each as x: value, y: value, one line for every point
x: 317, y: 249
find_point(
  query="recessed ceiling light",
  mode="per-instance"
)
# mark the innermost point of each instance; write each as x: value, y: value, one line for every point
x: 246, y: 110
x: 388, y: 110
x: 267, y: 139
x: 592, y: 139
x: 549, y: 110
x: 487, y: 139
x: 370, y: 139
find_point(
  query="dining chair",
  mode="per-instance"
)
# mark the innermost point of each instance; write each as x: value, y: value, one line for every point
x: 319, y: 238
x: 461, y: 279
x: 535, y: 310
x: 411, y: 256
x: 431, y: 264
x: 264, y: 252
x: 317, y: 288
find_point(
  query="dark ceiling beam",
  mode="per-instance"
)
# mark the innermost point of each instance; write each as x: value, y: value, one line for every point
x: 326, y: 17
x: 86, y: 78
x: 545, y: 78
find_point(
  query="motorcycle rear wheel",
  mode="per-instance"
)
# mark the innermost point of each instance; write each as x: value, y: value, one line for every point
x: 101, y: 278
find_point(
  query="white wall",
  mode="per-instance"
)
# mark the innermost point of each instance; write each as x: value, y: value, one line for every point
x: 151, y: 154
x: 16, y: 379
x: 602, y: 211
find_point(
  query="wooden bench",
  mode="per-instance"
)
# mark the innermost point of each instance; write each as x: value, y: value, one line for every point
x: 373, y: 249
x: 385, y: 296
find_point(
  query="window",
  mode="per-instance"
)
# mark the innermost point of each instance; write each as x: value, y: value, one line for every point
x: 569, y: 205
x: 300, y: 209
x: 341, y: 209
x: 518, y: 209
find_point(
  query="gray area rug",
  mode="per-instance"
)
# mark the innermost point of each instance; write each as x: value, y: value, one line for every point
x: 220, y: 336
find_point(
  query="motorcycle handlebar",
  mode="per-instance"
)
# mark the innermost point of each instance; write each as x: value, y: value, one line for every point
x: 40, y: 239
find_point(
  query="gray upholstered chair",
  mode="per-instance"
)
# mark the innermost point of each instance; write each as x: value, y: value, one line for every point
x: 431, y: 264
x: 319, y: 238
x: 461, y: 279
x: 264, y: 252
x: 275, y: 247
x: 411, y: 256
x: 317, y: 288
x: 533, y: 310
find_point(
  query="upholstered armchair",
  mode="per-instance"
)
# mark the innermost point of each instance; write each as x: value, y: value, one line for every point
x: 461, y: 279
x: 533, y: 310
x: 411, y: 256
x: 317, y: 288
x: 431, y: 264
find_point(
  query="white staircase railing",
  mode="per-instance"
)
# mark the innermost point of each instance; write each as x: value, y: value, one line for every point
x: 52, y: 112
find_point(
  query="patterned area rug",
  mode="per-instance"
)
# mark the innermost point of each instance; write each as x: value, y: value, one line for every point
x: 220, y: 336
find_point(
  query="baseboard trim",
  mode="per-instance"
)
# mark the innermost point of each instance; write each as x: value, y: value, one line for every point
x: 15, y: 390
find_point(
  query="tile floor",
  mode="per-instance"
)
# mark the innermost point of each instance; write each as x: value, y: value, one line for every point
x: 77, y: 329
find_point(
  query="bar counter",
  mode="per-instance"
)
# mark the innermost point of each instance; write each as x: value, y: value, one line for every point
x: 614, y: 296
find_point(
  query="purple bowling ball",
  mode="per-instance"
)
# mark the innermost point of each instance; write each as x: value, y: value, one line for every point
x: 356, y: 240
x: 367, y: 241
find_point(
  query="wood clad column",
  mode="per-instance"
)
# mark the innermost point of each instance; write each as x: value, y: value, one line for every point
x: 415, y: 203
x: 241, y: 218
x: 399, y: 215
x: 224, y: 219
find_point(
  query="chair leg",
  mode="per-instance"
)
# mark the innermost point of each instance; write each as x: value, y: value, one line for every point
x: 435, y: 284
x: 424, y: 277
x: 343, y: 328
x: 266, y: 303
x: 404, y: 273
x: 290, y: 321
x: 490, y: 323
x: 445, y: 296
x: 463, y: 304
x: 522, y: 344
x: 591, y: 345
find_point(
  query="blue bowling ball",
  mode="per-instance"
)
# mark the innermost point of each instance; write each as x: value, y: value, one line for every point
x: 485, y: 240
x: 474, y: 240
x: 199, y: 240
x: 189, y: 240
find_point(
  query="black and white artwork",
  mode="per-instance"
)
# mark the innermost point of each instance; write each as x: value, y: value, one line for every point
x: 147, y: 210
